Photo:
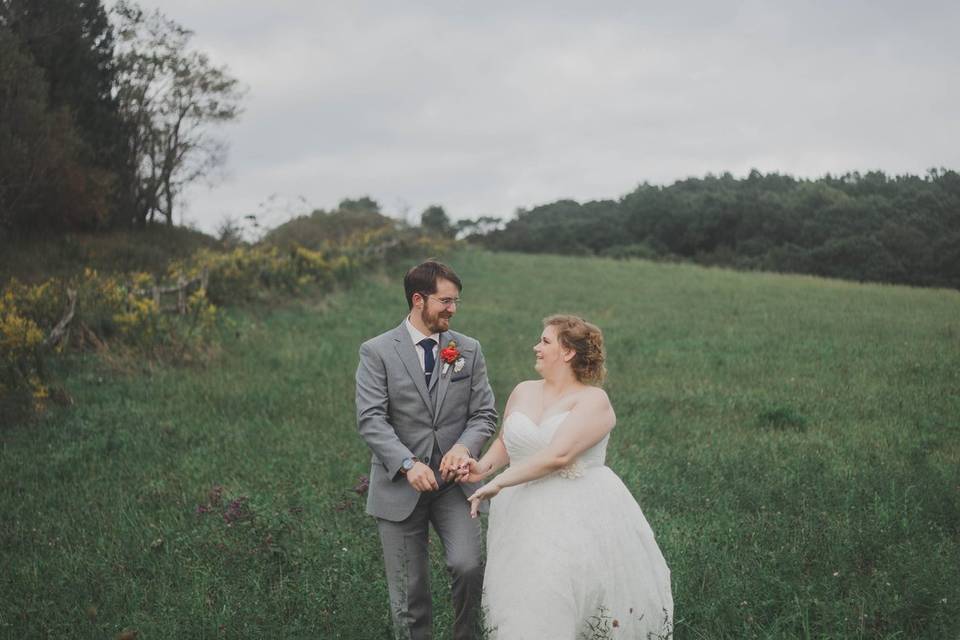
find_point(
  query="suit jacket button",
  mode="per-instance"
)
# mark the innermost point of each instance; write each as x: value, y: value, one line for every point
x: 426, y: 460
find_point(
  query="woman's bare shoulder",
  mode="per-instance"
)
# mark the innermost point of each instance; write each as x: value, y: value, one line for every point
x: 527, y: 387
x: 594, y: 397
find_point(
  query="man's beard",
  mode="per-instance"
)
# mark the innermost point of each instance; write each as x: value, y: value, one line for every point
x: 434, y: 322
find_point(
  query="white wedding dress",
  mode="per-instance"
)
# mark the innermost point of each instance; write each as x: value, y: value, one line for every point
x: 571, y: 555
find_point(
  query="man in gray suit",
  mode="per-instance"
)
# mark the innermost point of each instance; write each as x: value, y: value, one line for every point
x: 424, y: 406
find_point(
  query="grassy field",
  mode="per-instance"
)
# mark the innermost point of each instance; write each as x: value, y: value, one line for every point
x: 794, y: 442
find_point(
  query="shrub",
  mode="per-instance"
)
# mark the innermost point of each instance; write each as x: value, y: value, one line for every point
x: 127, y: 311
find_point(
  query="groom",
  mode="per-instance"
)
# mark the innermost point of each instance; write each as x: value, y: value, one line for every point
x: 424, y: 406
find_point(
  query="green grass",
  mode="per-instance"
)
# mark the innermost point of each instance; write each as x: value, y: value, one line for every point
x: 794, y: 442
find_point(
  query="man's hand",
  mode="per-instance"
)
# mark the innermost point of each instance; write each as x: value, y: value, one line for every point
x: 450, y: 465
x: 421, y: 478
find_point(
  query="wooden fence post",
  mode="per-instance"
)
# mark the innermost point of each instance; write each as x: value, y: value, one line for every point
x: 58, y: 331
x: 182, y: 295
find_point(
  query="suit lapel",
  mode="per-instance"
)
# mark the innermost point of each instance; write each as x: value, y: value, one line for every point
x: 411, y: 361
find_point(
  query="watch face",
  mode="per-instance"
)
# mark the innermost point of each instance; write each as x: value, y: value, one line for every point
x: 408, y: 464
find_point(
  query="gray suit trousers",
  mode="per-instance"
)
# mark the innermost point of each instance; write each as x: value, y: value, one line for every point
x: 408, y: 564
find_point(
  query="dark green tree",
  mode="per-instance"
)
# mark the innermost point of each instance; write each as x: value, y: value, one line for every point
x: 868, y: 226
x: 71, y: 41
x: 37, y: 145
x: 476, y: 227
x: 435, y: 220
x: 364, y: 203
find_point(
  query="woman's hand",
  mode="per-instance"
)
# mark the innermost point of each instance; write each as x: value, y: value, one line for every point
x: 471, y: 471
x: 486, y: 492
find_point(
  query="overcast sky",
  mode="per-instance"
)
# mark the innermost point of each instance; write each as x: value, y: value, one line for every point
x: 487, y: 107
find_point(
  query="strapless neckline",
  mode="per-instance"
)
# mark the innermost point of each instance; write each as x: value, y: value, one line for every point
x: 542, y: 422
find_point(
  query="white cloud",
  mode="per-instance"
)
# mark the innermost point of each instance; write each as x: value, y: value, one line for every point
x: 488, y: 107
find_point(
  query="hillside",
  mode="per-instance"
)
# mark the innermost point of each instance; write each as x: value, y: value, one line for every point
x: 792, y: 440
x: 57, y: 255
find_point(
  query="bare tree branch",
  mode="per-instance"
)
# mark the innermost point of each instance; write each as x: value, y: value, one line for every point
x: 170, y: 97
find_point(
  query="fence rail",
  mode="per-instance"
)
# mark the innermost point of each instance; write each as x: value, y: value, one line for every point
x: 182, y: 289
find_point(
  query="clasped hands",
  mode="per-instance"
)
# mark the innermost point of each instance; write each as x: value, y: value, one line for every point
x: 456, y: 466
x: 469, y: 471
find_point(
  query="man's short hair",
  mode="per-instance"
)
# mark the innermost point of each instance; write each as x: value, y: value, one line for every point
x: 423, y: 279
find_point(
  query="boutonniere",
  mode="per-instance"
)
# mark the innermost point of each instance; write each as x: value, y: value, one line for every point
x: 451, y: 355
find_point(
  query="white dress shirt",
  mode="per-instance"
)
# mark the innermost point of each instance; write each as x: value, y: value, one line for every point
x: 416, y: 336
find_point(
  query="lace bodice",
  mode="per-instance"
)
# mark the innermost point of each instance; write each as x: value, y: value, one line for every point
x: 523, y: 437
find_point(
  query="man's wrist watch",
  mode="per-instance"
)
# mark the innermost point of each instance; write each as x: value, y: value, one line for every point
x: 407, y: 464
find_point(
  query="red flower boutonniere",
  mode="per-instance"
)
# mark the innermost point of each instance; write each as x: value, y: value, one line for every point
x: 451, y: 355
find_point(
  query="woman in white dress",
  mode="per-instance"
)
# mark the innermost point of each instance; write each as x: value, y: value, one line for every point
x: 569, y: 552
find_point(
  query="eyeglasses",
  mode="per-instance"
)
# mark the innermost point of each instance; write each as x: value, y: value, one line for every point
x: 447, y: 302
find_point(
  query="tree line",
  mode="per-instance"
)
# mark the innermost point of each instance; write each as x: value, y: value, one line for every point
x: 104, y: 116
x: 868, y: 227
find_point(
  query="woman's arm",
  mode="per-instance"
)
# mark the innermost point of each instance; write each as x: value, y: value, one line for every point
x: 496, y: 456
x: 590, y: 420
x: 494, y: 459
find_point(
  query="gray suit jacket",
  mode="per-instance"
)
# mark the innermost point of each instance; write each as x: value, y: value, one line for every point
x: 399, y: 417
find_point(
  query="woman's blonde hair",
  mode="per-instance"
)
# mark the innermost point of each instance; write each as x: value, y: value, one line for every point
x: 586, y: 341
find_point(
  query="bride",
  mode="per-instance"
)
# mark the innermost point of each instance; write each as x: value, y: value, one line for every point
x: 569, y: 552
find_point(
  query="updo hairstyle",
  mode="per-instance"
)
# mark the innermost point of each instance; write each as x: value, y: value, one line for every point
x: 586, y: 341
